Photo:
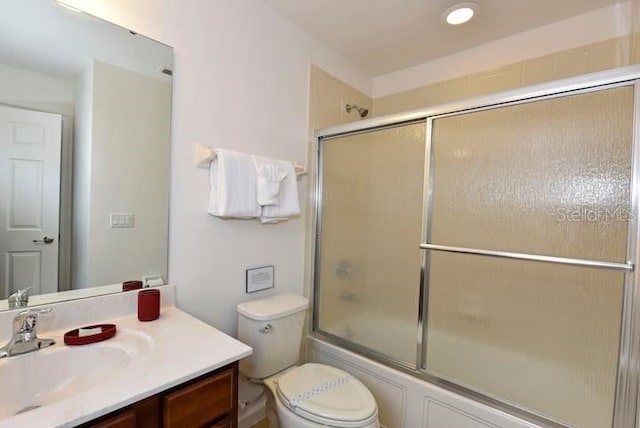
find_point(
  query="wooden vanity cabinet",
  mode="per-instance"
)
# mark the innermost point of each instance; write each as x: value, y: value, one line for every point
x: 208, y: 401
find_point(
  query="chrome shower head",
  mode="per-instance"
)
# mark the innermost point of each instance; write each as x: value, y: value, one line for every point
x: 363, y: 112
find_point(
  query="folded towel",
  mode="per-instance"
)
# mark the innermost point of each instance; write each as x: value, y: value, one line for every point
x: 270, y: 175
x: 233, y: 186
x: 287, y: 204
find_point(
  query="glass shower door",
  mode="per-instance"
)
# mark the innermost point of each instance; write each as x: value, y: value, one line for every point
x: 547, y: 178
x: 368, y: 260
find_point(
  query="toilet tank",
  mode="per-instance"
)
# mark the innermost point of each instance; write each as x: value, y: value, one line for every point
x: 273, y: 328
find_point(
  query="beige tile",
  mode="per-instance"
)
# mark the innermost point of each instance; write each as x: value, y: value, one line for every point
x: 495, y: 80
x: 429, y: 95
x: 422, y: 97
x: 414, y: 99
x: 326, y: 100
x: 573, y: 62
x: 328, y: 96
x: 539, y: 70
x: 634, y: 49
x: 313, y: 82
x: 445, y: 92
x: 353, y: 96
x: 610, y: 53
x: 604, y: 55
x: 436, y: 93
x: 391, y: 104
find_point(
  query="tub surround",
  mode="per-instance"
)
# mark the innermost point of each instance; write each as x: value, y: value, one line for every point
x: 182, y: 349
x: 406, y: 401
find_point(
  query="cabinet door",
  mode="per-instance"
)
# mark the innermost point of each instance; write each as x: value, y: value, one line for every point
x: 200, y: 403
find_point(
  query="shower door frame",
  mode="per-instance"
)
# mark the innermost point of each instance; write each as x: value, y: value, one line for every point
x: 626, y: 397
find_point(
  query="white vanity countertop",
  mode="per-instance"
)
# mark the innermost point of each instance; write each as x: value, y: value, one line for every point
x: 182, y: 349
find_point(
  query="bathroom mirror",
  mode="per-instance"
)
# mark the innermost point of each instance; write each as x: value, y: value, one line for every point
x: 85, y: 109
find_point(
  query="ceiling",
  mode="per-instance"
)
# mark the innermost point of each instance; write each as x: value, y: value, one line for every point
x: 382, y: 36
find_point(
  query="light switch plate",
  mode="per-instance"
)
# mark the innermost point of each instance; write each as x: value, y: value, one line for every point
x: 120, y: 220
x: 259, y: 278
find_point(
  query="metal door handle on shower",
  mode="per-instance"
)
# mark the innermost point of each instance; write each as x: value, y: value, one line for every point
x: 629, y: 267
x: 45, y: 240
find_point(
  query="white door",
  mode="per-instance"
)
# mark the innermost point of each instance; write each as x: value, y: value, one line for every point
x: 29, y: 200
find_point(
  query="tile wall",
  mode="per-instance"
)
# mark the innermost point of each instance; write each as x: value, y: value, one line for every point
x: 599, y: 56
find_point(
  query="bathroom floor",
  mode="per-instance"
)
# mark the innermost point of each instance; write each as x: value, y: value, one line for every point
x: 262, y: 424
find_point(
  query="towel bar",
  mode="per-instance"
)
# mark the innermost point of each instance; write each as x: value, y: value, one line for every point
x: 204, y: 155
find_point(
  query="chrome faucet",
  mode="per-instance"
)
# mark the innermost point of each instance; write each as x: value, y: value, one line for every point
x: 25, y: 338
x: 19, y: 299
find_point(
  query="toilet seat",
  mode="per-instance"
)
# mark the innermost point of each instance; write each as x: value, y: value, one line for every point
x: 327, y: 395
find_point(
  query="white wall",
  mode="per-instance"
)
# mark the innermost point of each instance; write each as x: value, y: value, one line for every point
x: 25, y: 88
x: 82, y: 177
x: 129, y: 158
x: 120, y: 156
x: 240, y: 82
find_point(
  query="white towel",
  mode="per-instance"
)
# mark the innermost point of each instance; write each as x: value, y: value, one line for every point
x: 287, y: 204
x: 270, y: 174
x: 233, y: 186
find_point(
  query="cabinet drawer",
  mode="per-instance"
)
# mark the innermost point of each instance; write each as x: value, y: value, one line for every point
x: 226, y: 423
x: 201, y: 402
x: 126, y: 419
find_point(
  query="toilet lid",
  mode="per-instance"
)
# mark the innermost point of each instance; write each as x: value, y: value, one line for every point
x: 327, y: 395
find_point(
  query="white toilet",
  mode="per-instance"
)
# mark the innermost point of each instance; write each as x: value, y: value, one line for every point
x: 306, y: 396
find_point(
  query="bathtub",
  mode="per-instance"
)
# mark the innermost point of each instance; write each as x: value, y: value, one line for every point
x: 395, y: 338
x: 408, y: 402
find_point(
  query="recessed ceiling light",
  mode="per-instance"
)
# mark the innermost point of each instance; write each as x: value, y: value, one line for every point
x: 460, y: 13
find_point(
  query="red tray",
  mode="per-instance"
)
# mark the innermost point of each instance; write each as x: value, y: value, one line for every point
x: 73, y: 338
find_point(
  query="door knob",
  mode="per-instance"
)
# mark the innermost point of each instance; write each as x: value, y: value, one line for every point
x: 45, y: 240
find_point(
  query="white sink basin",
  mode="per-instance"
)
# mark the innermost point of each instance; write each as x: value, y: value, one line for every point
x: 53, y: 374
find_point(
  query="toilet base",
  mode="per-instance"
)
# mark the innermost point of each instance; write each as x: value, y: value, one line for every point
x: 251, y: 402
x: 252, y: 414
